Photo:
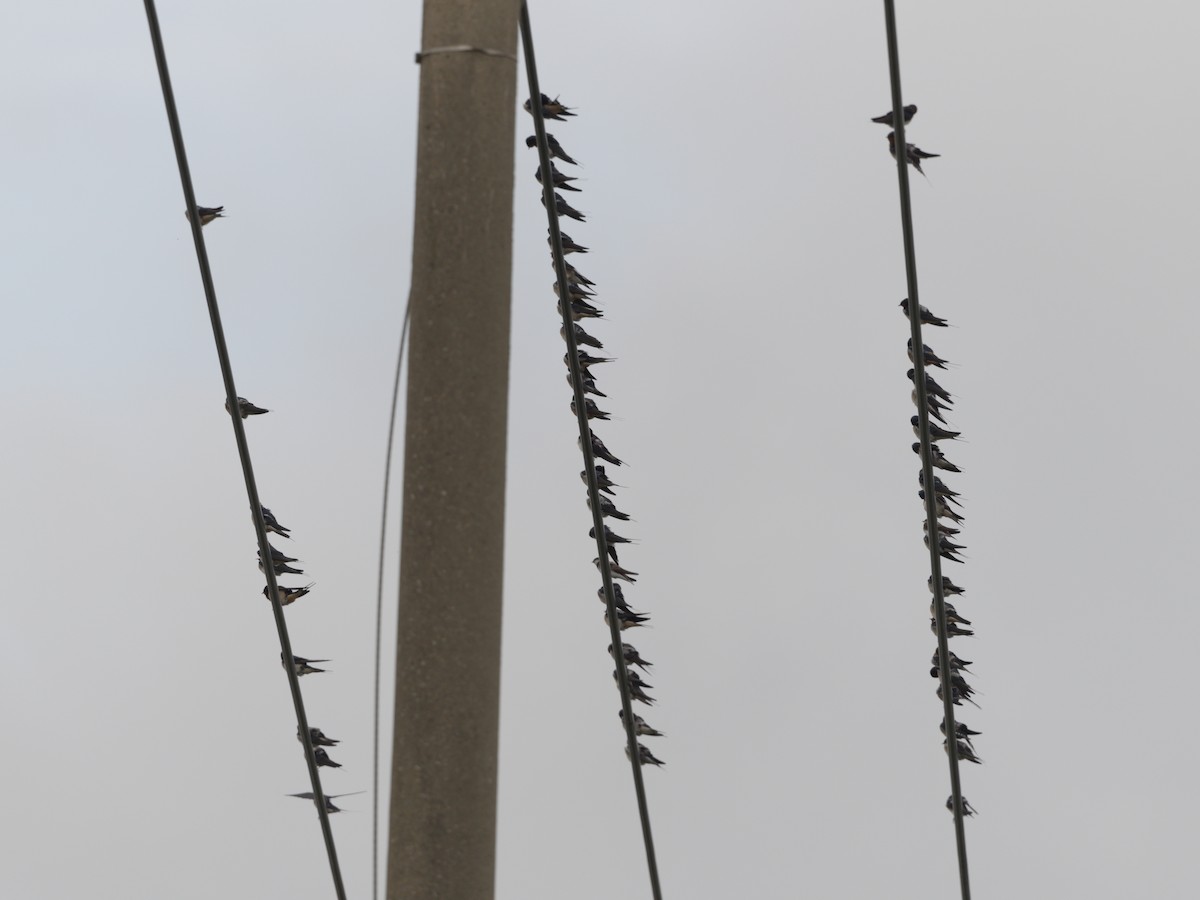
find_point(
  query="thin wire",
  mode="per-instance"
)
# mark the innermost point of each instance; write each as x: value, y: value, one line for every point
x: 585, y: 440
x: 239, y: 434
x: 387, y: 478
x: 931, y: 519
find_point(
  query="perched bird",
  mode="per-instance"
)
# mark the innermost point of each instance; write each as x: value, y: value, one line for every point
x: 606, y: 484
x: 575, y: 275
x: 637, y: 687
x: 967, y: 809
x: 588, y: 381
x: 563, y: 208
x: 610, y: 536
x: 560, y: 180
x: 608, y: 508
x: 949, y: 588
x: 947, y: 548
x: 591, y: 409
x: 280, y: 569
x: 935, y: 406
x: 323, y: 759
x: 927, y: 318
x: 942, y: 509
x: 581, y: 309
x: 935, y: 433
x: 600, y: 451
x: 886, y: 119
x: 956, y: 664
x: 277, y: 556
x: 939, y: 458
x: 964, y: 751
x: 206, y: 213
x: 581, y: 337
x: 618, y: 572
x: 631, y: 656
x: 931, y: 386
x: 952, y: 630
x: 289, y: 594
x: 931, y: 358
x: 318, y: 738
x: 912, y: 152
x: 941, y: 527
x: 556, y: 150
x: 551, y: 109
x: 246, y: 408
x: 951, y: 614
x: 329, y: 798
x: 272, y: 524
x: 301, y: 665
x: 586, y: 360
x: 961, y: 731
x: 568, y: 245
x: 939, y: 487
x: 575, y: 289
x: 645, y: 757
x: 639, y: 725
x: 628, y: 619
x: 618, y: 598
x: 959, y: 693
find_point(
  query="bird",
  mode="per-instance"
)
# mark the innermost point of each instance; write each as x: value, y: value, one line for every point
x: 317, y: 736
x: 563, y: 208
x: 618, y: 598
x: 912, y: 153
x: 568, y: 245
x: 246, y: 408
x: 289, y: 594
x: 631, y: 656
x: 932, y: 404
x: 277, y: 556
x: 329, y: 798
x: 947, y: 548
x: 602, y: 480
x: 591, y: 409
x: 280, y: 569
x: 943, y: 510
x: 599, y: 450
x: 942, y: 528
x: 576, y: 290
x: 967, y: 809
x: 574, y: 274
x: 645, y: 757
x: 951, y: 614
x: 608, y: 508
x: 585, y: 359
x: 959, y: 693
x: 556, y: 150
x: 952, y: 630
x: 628, y: 619
x: 931, y: 358
x: 927, y: 318
x: 637, y: 687
x: 964, y: 751
x: 581, y: 337
x: 956, y: 664
x: 939, y: 487
x: 639, y: 725
x: 323, y: 759
x: 610, y: 536
x: 949, y: 588
x: 618, y: 571
x: 560, y: 180
x: 931, y: 386
x: 581, y: 309
x: 301, y: 665
x: 886, y: 119
x: 551, y: 109
x: 939, y: 458
x: 206, y: 213
x: 588, y: 383
x: 272, y: 524
x: 935, y: 433
x: 961, y: 731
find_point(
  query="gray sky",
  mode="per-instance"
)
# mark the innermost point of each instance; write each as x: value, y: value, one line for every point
x: 745, y: 233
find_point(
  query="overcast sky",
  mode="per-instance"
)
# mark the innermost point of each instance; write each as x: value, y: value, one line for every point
x: 744, y: 224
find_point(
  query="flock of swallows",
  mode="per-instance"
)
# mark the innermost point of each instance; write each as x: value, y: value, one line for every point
x: 580, y: 294
x: 281, y: 564
x: 912, y: 152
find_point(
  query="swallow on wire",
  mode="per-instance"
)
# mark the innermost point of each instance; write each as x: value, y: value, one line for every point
x: 206, y: 213
x: 582, y: 337
x: 961, y: 731
x: 912, y: 153
x: 289, y: 594
x: 932, y: 404
x: 939, y: 487
x: 329, y: 798
x: 927, y: 318
x: 573, y: 274
x: 947, y: 549
x: 272, y: 524
x: 575, y: 290
x: 942, y: 528
x: 246, y: 408
x: 277, y: 556
x: 317, y: 736
x: 637, y: 687
x: 608, y: 508
x: 964, y: 751
x: 942, y: 509
x: 591, y: 409
x: 952, y: 630
x: 618, y: 598
x: 639, y: 725
x: 949, y: 588
x: 931, y: 386
x: 560, y: 180
x: 280, y: 569
x: 586, y: 360
x: 958, y: 694
x: 645, y: 757
x: 631, y: 656
x: 606, y: 484
x: 588, y: 381
x: 956, y: 664
x: 301, y: 665
x: 563, y: 208
x: 323, y: 759
x: 600, y: 451
x: 628, y: 619
x: 551, y: 109
x: 886, y: 119
x: 618, y: 571
x: 568, y: 245
x: 581, y: 309
x: 939, y: 458
x: 931, y: 358
x: 935, y: 433
x: 556, y: 150
x: 967, y: 809
x: 951, y: 614
x: 610, y: 536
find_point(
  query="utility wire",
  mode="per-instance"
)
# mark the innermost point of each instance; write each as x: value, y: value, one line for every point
x: 931, y: 519
x: 585, y: 440
x: 239, y: 434
x: 387, y: 478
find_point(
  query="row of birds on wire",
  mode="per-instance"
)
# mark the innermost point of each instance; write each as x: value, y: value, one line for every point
x: 581, y: 294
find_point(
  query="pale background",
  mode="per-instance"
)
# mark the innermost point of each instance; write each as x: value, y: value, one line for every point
x: 744, y: 224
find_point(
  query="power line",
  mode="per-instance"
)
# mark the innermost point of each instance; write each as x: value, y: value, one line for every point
x: 931, y: 518
x: 585, y: 442
x: 239, y: 434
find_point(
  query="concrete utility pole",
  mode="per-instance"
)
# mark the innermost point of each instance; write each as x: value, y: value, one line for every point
x: 442, y: 839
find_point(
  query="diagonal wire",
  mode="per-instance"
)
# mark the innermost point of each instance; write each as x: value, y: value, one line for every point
x: 387, y: 478
x: 585, y: 436
x: 935, y: 559
x: 239, y: 434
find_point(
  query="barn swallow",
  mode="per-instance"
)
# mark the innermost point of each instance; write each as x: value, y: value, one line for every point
x: 618, y: 598
x: 927, y: 318
x: 952, y: 630
x: 967, y: 809
x: 560, y: 180
x: 939, y: 458
x: 956, y: 664
x: 608, y: 508
x: 618, y: 572
x: 303, y: 666
x: 935, y: 406
x: 246, y: 408
x: 935, y: 433
x: 318, y: 738
x: 568, y: 245
x: 931, y: 386
x: 592, y: 410
x: 961, y: 731
x: 272, y: 524
x: 942, y: 509
x: 912, y: 153
x: 639, y: 725
x: 931, y: 358
x: 951, y: 614
x: 277, y: 556
x: 556, y: 150
x: 574, y: 274
x: 886, y: 119
x: 576, y: 290
x: 588, y: 381
x: 939, y: 487
x: 323, y: 759
x: 551, y: 109
x: 632, y: 657
x: 942, y: 528
x: 602, y: 479
x: 947, y: 548
x: 637, y: 687
x: 964, y: 751
x: 586, y: 360
x: 280, y: 569
x: 581, y: 309
x: 958, y: 695
x: 645, y: 757
x: 329, y: 798
x: 610, y: 536
x: 289, y: 594
x: 206, y: 213
x: 949, y: 588
x: 582, y: 337
x: 599, y: 450
x: 563, y: 208
x: 628, y: 619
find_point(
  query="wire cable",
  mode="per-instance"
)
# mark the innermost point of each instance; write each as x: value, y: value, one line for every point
x: 239, y: 434
x: 387, y: 478
x: 931, y: 519
x: 585, y: 440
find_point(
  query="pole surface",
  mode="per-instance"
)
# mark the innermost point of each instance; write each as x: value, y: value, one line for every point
x: 442, y: 835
